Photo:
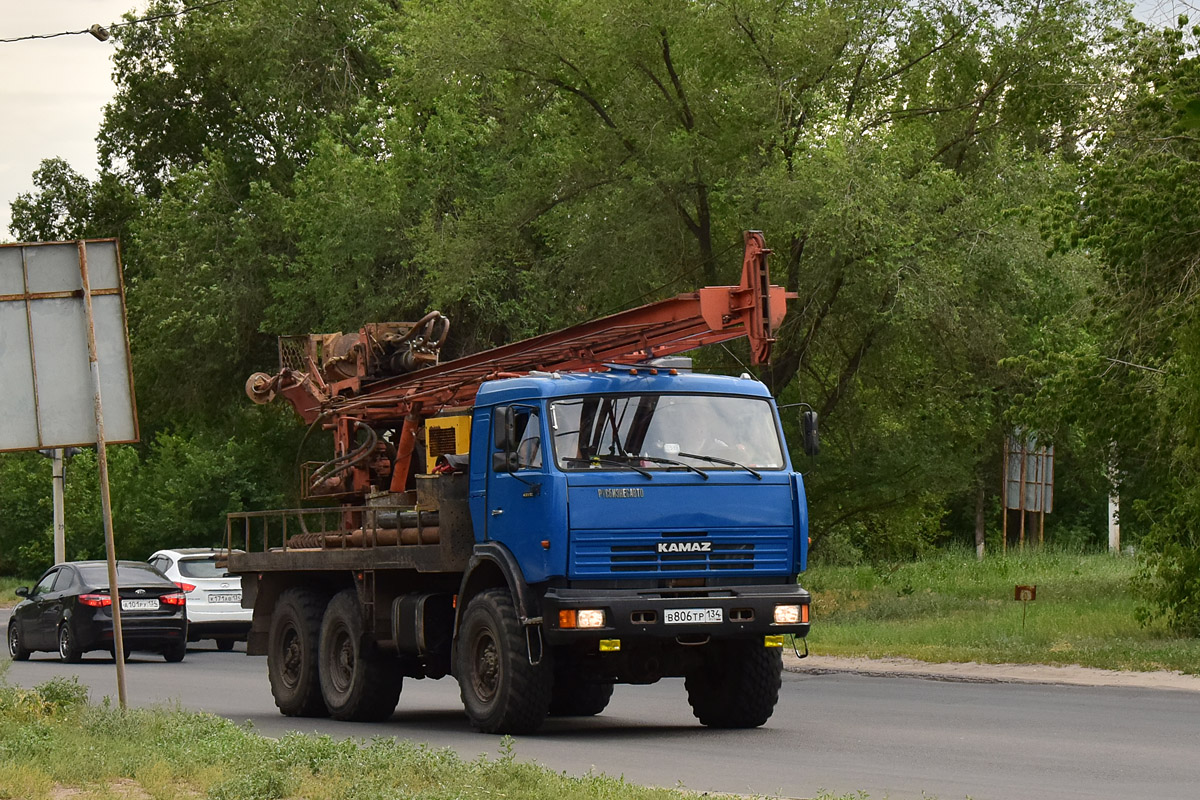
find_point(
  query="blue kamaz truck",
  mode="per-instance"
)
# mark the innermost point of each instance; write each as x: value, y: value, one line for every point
x: 541, y: 521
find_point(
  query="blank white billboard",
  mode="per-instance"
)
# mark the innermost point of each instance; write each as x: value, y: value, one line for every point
x: 46, y: 386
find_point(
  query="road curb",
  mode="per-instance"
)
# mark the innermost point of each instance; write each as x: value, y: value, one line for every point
x: 990, y: 673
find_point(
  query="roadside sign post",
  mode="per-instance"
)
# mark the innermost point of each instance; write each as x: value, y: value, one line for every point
x: 53, y: 397
x: 102, y: 459
x: 60, y: 525
x: 1024, y: 594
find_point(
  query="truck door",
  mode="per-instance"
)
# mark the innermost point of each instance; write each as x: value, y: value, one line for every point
x: 517, y: 507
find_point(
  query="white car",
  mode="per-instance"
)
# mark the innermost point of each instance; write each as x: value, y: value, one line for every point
x: 214, y: 597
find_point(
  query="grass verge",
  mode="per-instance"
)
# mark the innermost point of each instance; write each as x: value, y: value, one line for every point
x: 8, y: 585
x: 954, y: 608
x: 53, y: 744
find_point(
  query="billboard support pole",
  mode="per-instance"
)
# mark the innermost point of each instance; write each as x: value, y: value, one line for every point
x: 105, y: 499
x: 60, y: 530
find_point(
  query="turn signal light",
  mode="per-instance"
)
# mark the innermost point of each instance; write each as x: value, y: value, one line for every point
x: 174, y: 599
x: 582, y: 618
x: 95, y: 600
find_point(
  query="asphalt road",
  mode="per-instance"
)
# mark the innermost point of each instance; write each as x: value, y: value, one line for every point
x: 891, y: 737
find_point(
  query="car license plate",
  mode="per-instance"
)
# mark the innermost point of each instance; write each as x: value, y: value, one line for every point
x: 224, y: 597
x: 692, y: 616
x: 139, y: 605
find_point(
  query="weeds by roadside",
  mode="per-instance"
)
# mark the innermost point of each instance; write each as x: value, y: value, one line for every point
x: 53, y: 744
x: 951, y: 607
x: 8, y: 587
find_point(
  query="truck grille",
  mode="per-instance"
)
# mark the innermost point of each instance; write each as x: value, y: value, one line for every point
x: 595, y: 553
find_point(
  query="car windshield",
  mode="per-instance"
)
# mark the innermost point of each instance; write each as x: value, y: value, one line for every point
x: 665, y: 431
x: 201, y: 568
x: 127, y: 575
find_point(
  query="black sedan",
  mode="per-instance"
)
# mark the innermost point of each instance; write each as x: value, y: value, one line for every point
x: 70, y: 610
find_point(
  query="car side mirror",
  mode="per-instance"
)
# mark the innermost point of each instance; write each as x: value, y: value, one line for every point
x: 504, y: 427
x: 812, y: 439
x: 505, y: 462
x: 22, y: 591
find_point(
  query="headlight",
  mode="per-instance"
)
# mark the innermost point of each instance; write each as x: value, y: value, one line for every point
x: 591, y: 618
x: 581, y: 618
x: 787, y: 615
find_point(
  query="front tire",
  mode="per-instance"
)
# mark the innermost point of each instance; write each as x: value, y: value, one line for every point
x: 68, y: 651
x: 16, y: 648
x: 501, y: 691
x: 292, y: 648
x: 358, y: 683
x: 737, y: 685
x: 225, y: 645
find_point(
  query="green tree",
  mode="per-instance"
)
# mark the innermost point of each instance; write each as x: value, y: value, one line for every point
x: 1135, y: 380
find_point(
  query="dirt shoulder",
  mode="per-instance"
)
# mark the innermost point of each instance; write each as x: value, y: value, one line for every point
x: 991, y: 673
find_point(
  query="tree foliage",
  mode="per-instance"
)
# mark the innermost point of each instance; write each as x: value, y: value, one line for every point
x: 525, y: 164
x: 1135, y: 381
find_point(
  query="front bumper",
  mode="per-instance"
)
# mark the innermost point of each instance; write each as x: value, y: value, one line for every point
x: 746, y: 612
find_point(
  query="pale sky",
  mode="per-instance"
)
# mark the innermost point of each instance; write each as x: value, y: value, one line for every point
x: 53, y: 91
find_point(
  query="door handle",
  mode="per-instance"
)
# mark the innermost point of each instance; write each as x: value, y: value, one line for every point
x: 497, y: 512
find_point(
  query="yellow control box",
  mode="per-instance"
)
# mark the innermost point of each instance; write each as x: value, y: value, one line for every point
x: 446, y: 436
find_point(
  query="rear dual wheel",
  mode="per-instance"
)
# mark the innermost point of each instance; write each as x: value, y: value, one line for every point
x: 358, y: 682
x: 292, y: 653
x: 575, y: 698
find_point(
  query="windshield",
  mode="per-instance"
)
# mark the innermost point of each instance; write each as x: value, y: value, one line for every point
x: 665, y: 432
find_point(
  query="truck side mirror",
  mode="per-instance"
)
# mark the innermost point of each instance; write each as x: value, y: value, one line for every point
x: 505, y: 462
x: 22, y: 591
x: 504, y: 428
x: 812, y: 440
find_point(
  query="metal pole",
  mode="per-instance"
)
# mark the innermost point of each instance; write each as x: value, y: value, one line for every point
x: 1114, y: 503
x: 1024, y: 459
x: 1004, y: 497
x: 105, y: 499
x: 60, y: 527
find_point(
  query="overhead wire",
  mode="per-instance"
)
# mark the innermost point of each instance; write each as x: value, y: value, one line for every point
x: 112, y: 26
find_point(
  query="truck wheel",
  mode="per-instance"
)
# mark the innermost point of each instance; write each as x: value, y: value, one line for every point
x: 16, y: 648
x: 292, y: 653
x: 358, y: 682
x: 575, y: 698
x: 501, y: 691
x: 737, y: 686
x: 67, y: 649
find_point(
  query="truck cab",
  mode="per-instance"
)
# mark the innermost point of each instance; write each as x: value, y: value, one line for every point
x: 654, y: 517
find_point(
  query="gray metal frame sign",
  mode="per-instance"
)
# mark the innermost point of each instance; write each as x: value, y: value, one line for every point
x: 46, y: 382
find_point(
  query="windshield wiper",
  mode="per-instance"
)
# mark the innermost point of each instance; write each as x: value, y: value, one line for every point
x: 603, y: 460
x: 657, y: 460
x: 725, y: 461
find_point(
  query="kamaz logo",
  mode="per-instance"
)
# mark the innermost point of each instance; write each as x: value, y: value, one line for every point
x: 610, y: 494
x: 685, y: 547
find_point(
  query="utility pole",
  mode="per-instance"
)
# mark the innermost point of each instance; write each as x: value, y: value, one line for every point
x: 60, y: 524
